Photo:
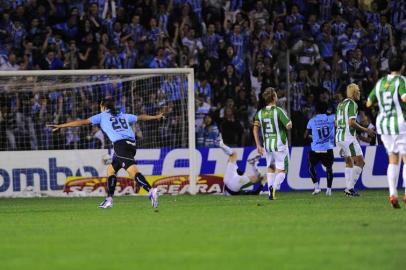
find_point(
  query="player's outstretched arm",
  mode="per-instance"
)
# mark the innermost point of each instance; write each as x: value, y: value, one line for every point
x: 75, y: 123
x: 353, y: 123
x: 146, y: 117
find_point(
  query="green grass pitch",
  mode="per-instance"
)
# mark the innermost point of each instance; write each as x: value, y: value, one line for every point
x: 297, y: 231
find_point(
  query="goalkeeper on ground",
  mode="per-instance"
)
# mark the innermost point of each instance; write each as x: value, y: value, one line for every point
x: 235, y: 180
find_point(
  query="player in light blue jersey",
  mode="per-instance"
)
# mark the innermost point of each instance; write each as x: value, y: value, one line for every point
x: 117, y: 127
x: 321, y: 129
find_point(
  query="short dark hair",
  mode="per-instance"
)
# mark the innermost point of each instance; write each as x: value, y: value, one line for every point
x: 395, y: 64
x: 321, y: 107
x: 109, y: 103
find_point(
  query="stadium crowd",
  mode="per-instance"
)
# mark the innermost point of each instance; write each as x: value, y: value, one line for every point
x: 237, y: 49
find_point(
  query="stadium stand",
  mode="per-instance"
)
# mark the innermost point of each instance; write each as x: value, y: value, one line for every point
x: 237, y: 48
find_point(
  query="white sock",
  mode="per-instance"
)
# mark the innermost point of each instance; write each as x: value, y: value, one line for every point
x: 317, y: 185
x: 356, y: 172
x: 271, y: 179
x: 348, y: 177
x: 404, y: 176
x: 226, y: 149
x: 393, y: 171
x: 280, y: 177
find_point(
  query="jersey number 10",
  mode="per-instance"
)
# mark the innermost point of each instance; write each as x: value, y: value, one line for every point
x: 323, y: 132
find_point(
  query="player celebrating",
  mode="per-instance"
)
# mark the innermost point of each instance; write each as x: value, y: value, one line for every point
x: 274, y: 124
x: 234, y: 179
x: 321, y: 128
x: 117, y: 127
x: 346, y: 140
x: 390, y: 93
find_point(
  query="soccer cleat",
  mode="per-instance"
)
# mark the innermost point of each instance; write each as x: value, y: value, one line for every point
x: 253, y: 160
x: 271, y: 194
x: 107, y: 203
x: 328, y: 192
x: 316, y: 191
x: 351, y: 193
x: 153, y: 196
x: 394, y: 201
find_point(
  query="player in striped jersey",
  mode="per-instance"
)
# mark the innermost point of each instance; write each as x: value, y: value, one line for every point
x: 390, y: 94
x: 347, y: 125
x: 274, y: 124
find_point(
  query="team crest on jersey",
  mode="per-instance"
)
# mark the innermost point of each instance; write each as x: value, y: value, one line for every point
x: 387, y: 84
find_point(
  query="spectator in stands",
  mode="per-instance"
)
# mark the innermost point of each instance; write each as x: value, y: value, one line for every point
x: 207, y: 133
x: 237, y: 48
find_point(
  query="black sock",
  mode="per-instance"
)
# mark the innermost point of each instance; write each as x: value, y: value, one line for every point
x: 111, y: 185
x: 329, y: 177
x: 312, y: 171
x: 140, y: 179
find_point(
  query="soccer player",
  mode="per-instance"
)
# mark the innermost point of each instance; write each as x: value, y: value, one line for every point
x: 234, y: 179
x: 321, y: 129
x: 274, y: 124
x: 117, y: 127
x: 346, y: 140
x: 390, y: 94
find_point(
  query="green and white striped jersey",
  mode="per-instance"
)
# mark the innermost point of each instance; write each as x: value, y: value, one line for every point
x: 273, y: 121
x: 346, y: 110
x: 388, y: 92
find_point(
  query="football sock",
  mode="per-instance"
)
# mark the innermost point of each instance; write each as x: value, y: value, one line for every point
x: 329, y: 177
x: 356, y: 172
x: 271, y: 179
x: 404, y: 176
x: 312, y: 171
x: 393, y: 170
x: 226, y: 149
x: 111, y: 185
x: 280, y: 177
x: 140, y: 179
x: 348, y: 177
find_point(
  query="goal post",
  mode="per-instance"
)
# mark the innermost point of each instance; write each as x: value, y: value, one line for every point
x: 55, y: 96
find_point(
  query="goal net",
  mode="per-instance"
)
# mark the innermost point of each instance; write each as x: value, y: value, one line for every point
x: 30, y: 100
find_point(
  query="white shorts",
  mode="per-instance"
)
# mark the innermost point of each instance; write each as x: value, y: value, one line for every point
x: 395, y: 144
x: 232, y: 179
x: 280, y: 159
x: 350, y: 148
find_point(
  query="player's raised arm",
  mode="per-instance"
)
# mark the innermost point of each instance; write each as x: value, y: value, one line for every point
x: 75, y: 123
x: 146, y: 117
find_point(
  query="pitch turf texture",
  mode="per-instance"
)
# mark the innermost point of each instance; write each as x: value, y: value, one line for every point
x: 297, y: 231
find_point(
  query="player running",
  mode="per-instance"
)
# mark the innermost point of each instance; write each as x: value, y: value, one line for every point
x: 321, y: 129
x: 346, y: 124
x: 390, y: 94
x: 117, y: 127
x: 274, y: 124
x: 235, y: 181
